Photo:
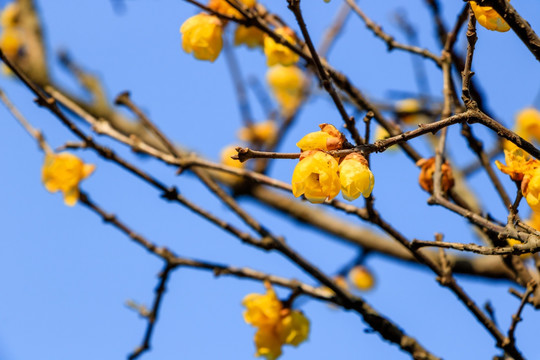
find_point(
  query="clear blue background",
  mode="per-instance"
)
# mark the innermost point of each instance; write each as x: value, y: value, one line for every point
x: 65, y: 276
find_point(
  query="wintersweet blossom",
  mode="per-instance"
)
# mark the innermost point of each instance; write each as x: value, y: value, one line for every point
x: 410, y: 111
x: 223, y: 7
x: 361, y: 278
x: 263, y: 132
x: 287, y: 84
x: 316, y: 177
x: 518, y: 164
x: 489, y: 18
x: 328, y: 138
x: 530, y: 187
x: 202, y: 35
x: 276, y: 325
x: 278, y: 53
x: 528, y: 124
x: 250, y: 36
x: 10, y: 42
x: 355, y: 177
x: 63, y: 172
x: 9, y: 15
x: 262, y: 309
x: 427, y: 170
x: 226, y: 159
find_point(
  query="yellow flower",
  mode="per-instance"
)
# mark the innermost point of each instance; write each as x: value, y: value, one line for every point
x: 225, y: 159
x: 276, y: 325
x: 251, y: 36
x: 262, y: 309
x: 355, y: 177
x: 8, y: 17
x: 223, y: 7
x: 10, y: 42
x: 278, y: 53
x: 427, y: 171
x: 263, y: 133
x: 63, y: 172
x: 328, y: 138
x: 268, y: 342
x: 361, y: 278
x: 518, y: 164
x: 316, y: 177
x: 489, y: 18
x: 531, y: 189
x: 202, y: 35
x: 293, y: 328
x: 528, y: 124
x: 409, y: 111
x: 287, y: 84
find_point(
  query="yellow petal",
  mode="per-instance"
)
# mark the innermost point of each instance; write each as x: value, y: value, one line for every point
x: 316, y: 177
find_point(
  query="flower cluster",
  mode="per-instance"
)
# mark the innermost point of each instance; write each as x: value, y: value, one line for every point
x: 319, y: 176
x: 11, y: 38
x: 276, y: 325
x: 63, y: 172
x: 489, y: 18
x: 202, y: 35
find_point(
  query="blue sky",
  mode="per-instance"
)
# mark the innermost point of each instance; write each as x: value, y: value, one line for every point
x: 66, y: 276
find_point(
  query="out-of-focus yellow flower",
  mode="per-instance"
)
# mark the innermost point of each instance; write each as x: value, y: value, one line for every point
x: 268, y: 343
x: 262, y: 309
x: 316, y: 177
x: 251, y: 36
x: 409, y: 111
x: 512, y: 242
x: 278, y: 53
x: 518, y: 164
x: 489, y: 18
x: 427, y: 170
x: 225, y: 159
x: 328, y: 138
x: 528, y: 124
x: 264, y: 132
x: 361, y: 278
x: 63, y: 172
x: 223, y: 7
x: 530, y: 187
x: 293, y: 327
x: 202, y: 35
x: 355, y: 177
x: 276, y: 325
x: 8, y: 16
x: 381, y: 134
x: 287, y: 84
x: 10, y: 42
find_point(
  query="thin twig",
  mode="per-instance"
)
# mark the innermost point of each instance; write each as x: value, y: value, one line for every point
x: 516, y: 318
x: 153, y: 315
x: 294, y: 6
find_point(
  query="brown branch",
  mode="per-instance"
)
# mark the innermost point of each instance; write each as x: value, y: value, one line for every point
x: 389, y: 40
x: 520, y: 26
x: 153, y: 315
x: 467, y: 74
x: 516, y: 318
x: 294, y: 6
x: 532, y: 246
x: 36, y: 134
